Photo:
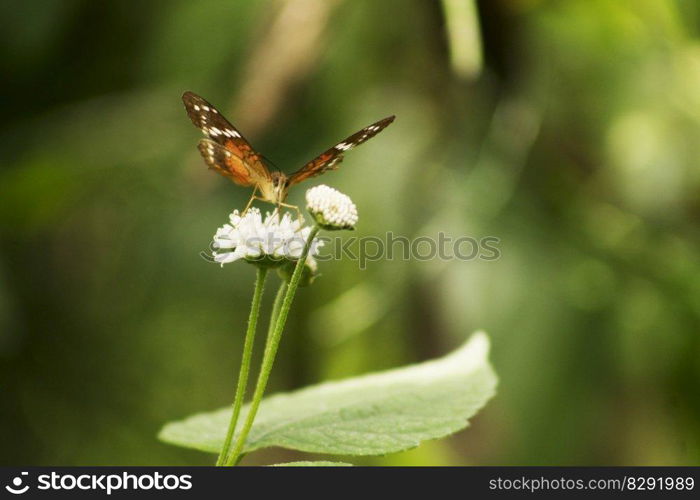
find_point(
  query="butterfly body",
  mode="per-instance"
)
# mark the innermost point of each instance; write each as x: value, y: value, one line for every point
x: 277, y: 190
x: 225, y: 150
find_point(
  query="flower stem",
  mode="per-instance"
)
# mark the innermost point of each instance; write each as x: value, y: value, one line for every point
x: 245, y: 362
x: 273, y: 319
x: 276, y: 305
x: 273, y: 341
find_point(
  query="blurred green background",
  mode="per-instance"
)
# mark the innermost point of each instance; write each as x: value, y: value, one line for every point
x: 568, y: 129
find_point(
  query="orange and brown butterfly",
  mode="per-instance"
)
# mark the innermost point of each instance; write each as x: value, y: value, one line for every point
x: 226, y: 151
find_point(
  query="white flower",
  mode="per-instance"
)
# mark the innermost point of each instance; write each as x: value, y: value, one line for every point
x: 331, y: 208
x: 271, y: 241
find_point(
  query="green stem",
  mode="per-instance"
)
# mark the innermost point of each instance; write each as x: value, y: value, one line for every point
x: 271, y: 346
x: 245, y: 362
x: 273, y: 319
x: 276, y: 305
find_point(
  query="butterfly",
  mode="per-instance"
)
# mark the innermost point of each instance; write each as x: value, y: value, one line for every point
x: 225, y: 150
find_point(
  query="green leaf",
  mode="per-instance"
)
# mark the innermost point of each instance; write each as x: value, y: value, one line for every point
x: 368, y: 415
x: 313, y: 464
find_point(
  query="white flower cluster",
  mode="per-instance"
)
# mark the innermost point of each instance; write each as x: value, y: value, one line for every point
x: 271, y: 240
x: 331, y: 208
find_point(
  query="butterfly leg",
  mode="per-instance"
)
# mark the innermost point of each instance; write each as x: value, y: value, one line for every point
x: 296, y: 208
x: 252, y: 199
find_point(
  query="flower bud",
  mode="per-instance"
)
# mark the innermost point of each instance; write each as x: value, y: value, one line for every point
x: 331, y: 209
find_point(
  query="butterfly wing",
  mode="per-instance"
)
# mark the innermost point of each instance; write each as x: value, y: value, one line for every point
x: 226, y: 163
x: 331, y: 158
x: 225, y: 149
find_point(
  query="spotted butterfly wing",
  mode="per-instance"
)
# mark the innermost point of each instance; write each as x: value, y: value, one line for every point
x: 331, y: 158
x: 225, y: 149
x: 225, y: 162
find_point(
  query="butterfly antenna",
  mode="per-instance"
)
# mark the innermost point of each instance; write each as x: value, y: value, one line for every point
x: 269, y: 162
